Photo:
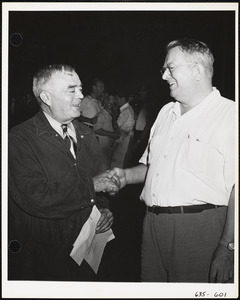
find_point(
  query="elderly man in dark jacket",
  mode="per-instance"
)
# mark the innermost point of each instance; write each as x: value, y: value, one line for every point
x: 54, y: 166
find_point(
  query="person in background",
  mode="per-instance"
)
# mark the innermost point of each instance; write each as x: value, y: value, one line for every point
x: 102, y: 97
x: 115, y: 110
x: 54, y: 180
x: 144, y: 121
x: 104, y: 129
x: 135, y: 100
x: 125, y: 121
x: 91, y: 104
x: 188, y: 174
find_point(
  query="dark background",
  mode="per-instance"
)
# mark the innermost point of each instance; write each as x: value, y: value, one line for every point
x: 124, y: 49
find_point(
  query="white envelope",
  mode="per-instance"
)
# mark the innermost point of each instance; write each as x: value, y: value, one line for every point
x: 89, y: 245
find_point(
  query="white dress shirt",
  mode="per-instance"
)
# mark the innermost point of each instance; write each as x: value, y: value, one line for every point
x: 191, y: 157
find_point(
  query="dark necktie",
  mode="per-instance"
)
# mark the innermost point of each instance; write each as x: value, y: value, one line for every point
x: 69, y: 140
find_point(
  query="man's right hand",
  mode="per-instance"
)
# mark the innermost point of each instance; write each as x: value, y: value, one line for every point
x: 117, y: 174
x: 104, y: 184
x: 123, y: 177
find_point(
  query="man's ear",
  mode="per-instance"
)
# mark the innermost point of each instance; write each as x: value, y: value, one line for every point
x: 198, y: 71
x: 45, y: 97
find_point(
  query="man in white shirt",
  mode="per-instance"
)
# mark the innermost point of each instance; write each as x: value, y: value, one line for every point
x: 91, y: 105
x: 188, y: 169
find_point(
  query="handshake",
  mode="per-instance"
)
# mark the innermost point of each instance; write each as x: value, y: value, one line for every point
x: 110, y: 181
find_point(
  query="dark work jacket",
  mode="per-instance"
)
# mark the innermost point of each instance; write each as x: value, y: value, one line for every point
x: 51, y: 193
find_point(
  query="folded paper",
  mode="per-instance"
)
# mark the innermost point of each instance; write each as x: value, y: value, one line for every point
x: 89, y: 245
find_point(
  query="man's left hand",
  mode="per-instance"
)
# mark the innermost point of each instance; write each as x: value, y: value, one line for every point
x: 105, y: 221
x: 221, y: 270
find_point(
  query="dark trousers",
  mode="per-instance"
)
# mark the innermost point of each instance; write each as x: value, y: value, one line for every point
x: 47, y: 257
x: 179, y: 247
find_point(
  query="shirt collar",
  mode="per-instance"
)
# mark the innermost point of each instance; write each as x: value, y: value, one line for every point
x: 176, y: 109
x: 213, y: 95
x: 57, y: 126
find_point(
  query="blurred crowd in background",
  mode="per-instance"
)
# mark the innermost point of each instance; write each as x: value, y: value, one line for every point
x: 121, y: 120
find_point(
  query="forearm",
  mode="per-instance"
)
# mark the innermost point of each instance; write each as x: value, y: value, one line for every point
x: 222, y: 267
x: 228, y: 232
x: 43, y: 186
x: 51, y: 199
x: 103, y: 132
x: 121, y: 177
x: 136, y: 174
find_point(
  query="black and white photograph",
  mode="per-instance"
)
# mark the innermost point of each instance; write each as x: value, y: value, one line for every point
x: 120, y: 150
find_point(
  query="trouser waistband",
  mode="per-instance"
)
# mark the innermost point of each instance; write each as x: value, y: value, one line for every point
x: 180, y: 209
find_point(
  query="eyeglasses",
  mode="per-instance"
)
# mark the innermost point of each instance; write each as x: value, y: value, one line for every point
x: 172, y: 68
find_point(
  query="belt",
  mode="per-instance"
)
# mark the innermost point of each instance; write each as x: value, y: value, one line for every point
x: 180, y: 209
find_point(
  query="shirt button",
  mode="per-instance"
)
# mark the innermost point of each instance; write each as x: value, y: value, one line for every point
x: 157, y: 174
x: 92, y: 200
x: 82, y: 136
x: 165, y: 156
x: 153, y: 195
x: 56, y: 134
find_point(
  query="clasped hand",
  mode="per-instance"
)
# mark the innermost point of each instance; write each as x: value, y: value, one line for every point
x: 106, y: 183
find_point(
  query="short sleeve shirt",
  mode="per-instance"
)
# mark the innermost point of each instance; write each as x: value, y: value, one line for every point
x: 191, y: 157
x: 126, y: 119
x: 104, y: 121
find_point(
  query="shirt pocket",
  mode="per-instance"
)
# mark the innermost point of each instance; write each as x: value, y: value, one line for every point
x: 199, y: 157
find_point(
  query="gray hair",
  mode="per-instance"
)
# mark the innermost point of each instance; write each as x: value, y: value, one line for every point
x: 198, y: 50
x: 44, y: 75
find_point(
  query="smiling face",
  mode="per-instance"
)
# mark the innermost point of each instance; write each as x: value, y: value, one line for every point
x: 62, y: 95
x: 179, y: 74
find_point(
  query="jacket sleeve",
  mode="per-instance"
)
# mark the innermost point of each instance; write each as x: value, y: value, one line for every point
x: 38, y: 192
x: 102, y: 201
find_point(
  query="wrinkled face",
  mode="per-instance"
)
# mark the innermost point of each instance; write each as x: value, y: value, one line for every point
x: 99, y: 88
x: 179, y: 73
x: 64, y: 91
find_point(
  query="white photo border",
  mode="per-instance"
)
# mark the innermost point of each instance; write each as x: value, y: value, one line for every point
x: 33, y: 289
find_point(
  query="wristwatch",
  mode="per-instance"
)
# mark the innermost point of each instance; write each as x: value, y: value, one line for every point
x: 228, y: 245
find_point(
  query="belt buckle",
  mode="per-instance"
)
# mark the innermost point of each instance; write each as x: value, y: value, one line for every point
x: 155, y: 210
